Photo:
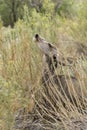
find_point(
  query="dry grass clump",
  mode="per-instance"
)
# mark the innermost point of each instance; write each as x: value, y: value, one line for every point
x: 61, y: 103
x: 64, y: 100
x: 18, y: 72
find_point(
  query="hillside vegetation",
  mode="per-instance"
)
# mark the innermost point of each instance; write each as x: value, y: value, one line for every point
x: 21, y: 60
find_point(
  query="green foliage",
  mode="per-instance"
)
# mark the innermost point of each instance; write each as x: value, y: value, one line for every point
x: 82, y: 10
x: 68, y: 9
x: 80, y: 23
x: 10, y: 11
x: 4, y: 12
x: 47, y: 7
x: 38, y: 22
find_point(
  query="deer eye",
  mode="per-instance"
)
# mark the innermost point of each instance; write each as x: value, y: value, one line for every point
x: 50, y: 45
